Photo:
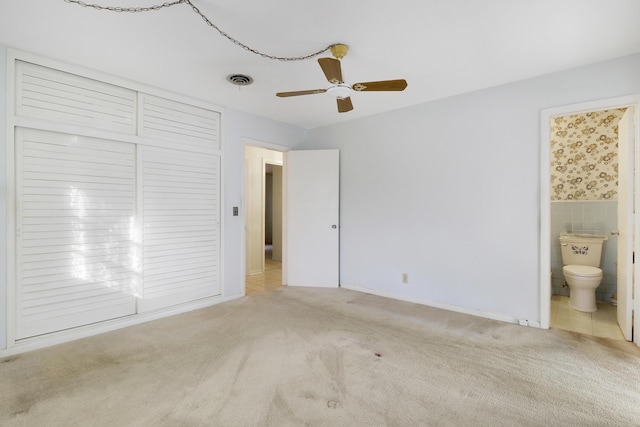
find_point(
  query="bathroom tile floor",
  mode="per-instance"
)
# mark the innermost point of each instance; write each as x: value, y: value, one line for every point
x: 602, y: 323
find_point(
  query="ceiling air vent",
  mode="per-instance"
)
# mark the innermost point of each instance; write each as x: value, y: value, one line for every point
x: 239, y: 79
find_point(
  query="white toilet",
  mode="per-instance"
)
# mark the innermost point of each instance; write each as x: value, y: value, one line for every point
x: 581, y: 260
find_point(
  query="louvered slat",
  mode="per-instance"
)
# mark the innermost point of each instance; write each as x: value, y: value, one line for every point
x: 181, y: 235
x: 75, y: 249
x: 49, y: 94
x: 187, y: 125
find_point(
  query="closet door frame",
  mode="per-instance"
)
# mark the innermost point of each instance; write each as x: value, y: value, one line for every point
x: 14, y: 121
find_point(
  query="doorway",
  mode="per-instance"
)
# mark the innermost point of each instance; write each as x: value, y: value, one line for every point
x: 263, y: 218
x: 584, y: 200
x: 580, y: 196
x: 310, y: 222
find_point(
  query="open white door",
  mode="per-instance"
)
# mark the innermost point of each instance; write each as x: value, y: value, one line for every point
x: 626, y: 145
x: 312, y: 218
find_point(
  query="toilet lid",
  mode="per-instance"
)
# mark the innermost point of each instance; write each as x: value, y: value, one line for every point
x: 582, y: 270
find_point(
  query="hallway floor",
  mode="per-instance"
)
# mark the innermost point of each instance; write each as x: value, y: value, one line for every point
x: 270, y: 279
x: 602, y: 323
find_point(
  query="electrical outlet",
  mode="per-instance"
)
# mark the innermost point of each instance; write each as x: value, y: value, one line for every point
x: 405, y: 278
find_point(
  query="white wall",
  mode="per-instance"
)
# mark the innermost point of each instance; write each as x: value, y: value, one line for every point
x: 448, y: 191
x: 238, y: 127
x: 3, y: 198
x: 276, y: 253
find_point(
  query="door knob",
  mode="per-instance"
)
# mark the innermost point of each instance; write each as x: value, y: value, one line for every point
x: 334, y: 226
x: 615, y: 233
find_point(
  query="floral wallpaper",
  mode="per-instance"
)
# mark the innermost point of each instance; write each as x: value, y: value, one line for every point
x: 584, y: 156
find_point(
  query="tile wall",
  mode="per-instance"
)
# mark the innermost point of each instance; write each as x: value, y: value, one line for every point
x: 598, y: 217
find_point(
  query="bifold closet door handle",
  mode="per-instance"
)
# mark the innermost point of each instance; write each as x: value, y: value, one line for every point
x: 615, y: 233
x: 334, y: 226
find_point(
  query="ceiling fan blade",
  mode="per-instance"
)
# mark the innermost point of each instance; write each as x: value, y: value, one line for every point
x: 331, y: 69
x: 300, y: 92
x: 384, y: 85
x: 344, y: 105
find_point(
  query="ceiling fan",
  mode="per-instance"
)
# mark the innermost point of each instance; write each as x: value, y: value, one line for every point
x: 340, y: 90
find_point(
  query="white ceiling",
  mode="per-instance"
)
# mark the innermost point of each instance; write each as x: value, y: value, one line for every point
x: 442, y: 48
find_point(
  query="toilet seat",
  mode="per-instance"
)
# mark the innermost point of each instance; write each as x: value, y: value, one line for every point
x: 582, y: 270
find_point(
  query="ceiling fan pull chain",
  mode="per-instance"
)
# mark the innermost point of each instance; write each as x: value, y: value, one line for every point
x: 205, y: 19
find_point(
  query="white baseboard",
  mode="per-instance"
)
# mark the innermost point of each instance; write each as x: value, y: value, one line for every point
x: 479, y: 313
x: 48, y: 340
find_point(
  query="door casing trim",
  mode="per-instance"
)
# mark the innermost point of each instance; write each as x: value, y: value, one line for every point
x: 545, y: 191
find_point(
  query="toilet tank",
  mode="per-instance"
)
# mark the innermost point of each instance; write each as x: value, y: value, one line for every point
x: 581, y: 249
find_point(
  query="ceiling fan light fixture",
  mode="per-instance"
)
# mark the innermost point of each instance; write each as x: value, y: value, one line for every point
x: 339, y: 50
x: 339, y: 91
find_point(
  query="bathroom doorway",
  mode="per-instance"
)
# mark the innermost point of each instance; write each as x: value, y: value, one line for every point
x: 580, y: 184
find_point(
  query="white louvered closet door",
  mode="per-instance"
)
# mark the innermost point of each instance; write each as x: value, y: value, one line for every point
x: 44, y: 93
x: 75, y: 247
x: 181, y: 226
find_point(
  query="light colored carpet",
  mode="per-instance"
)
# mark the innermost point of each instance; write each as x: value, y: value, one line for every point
x: 324, y: 357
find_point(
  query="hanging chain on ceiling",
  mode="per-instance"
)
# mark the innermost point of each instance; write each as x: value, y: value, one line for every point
x: 205, y: 19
